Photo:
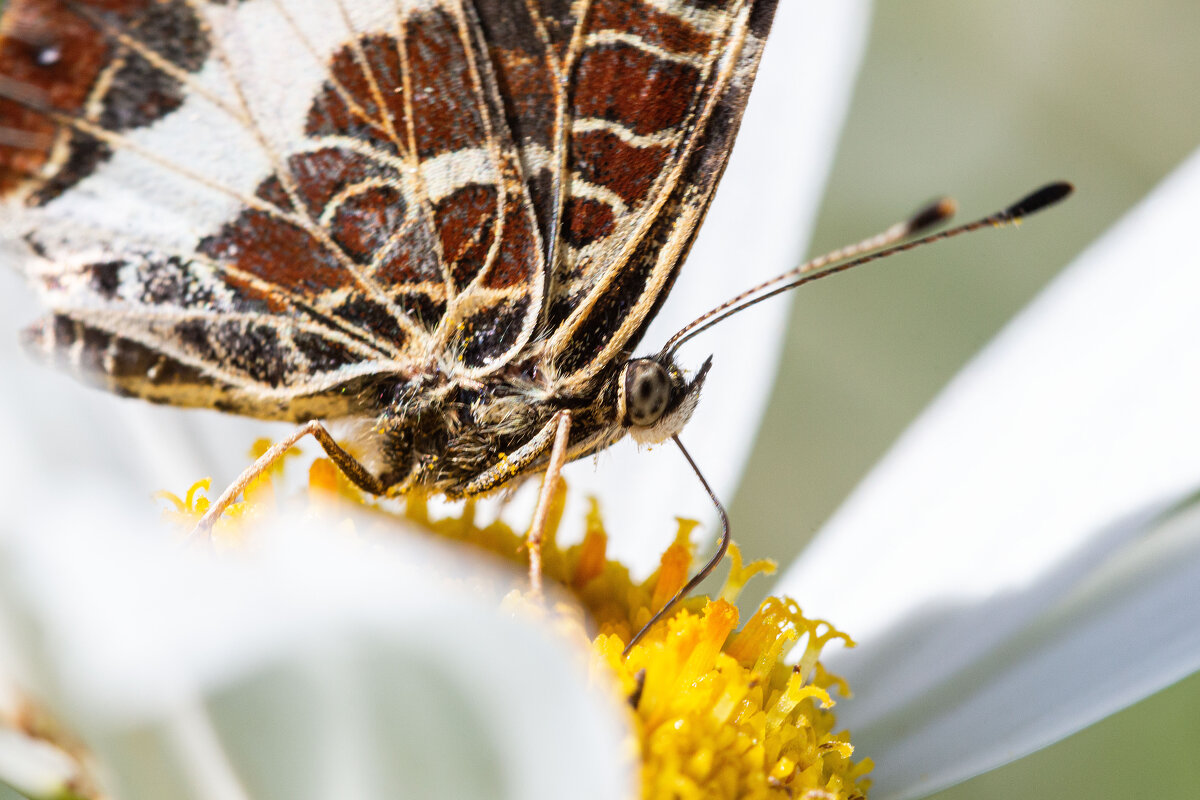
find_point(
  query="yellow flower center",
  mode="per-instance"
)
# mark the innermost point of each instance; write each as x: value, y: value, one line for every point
x: 718, y: 711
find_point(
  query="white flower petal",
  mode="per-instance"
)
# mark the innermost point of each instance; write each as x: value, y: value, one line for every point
x: 758, y: 226
x: 310, y: 667
x: 1128, y: 628
x: 1010, y: 494
x: 34, y: 768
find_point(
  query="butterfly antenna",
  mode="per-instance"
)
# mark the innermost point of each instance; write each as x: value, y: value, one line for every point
x: 705, y: 571
x: 849, y: 257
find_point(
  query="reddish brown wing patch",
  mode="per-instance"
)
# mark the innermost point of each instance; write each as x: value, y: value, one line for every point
x: 466, y: 222
x: 448, y: 113
x: 61, y: 55
x: 627, y: 170
x: 616, y: 77
x: 349, y: 105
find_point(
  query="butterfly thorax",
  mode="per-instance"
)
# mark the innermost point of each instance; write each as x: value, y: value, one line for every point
x: 465, y: 438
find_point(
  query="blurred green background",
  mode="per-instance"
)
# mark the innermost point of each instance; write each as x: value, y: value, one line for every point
x: 983, y: 101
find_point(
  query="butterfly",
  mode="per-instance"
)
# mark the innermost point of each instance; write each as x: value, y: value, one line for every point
x: 449, y: 223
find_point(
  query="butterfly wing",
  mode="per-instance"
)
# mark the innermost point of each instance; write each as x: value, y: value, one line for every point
x: 254, y: 206
x: 656, y: 94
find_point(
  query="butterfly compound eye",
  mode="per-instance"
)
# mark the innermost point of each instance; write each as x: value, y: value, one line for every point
x: 645, y: 392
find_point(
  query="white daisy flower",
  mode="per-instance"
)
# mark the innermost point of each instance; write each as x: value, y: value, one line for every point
x: 1022, y: 564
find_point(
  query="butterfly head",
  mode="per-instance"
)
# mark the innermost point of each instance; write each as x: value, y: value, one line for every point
x: 655, y: 399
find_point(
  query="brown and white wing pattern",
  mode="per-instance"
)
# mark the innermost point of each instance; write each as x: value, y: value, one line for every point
x: 256, y: 205
x: 656, y: 94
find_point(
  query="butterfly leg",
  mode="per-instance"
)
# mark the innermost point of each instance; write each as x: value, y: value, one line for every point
x: 553, y: 435
x: 558, y: 457
x: 350, y: 467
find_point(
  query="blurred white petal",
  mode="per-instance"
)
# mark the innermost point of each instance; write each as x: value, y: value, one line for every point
x: 311, y: 667
x: 1017, y: 503
x: 1129, y: 626
x: 35, y: 768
